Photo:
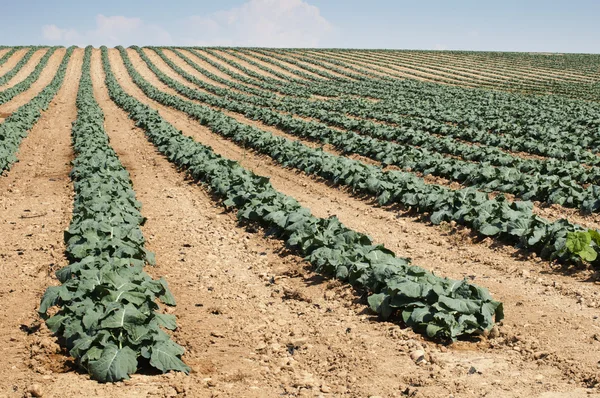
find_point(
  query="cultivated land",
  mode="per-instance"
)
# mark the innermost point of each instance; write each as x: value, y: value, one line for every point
x: 328, y: 222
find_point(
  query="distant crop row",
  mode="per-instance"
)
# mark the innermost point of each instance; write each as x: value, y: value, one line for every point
x: 509, y: 221
x: 440, y: 307
x: 108, y: 314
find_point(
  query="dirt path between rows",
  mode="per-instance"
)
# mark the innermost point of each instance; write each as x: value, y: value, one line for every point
x: 45, y: 78
x: 284, y: 63
x: 35, y: 208
x: 254, y: 321
x: 25, y: 70
x: 291, y: 57
x: 251, y: 67
x: 542, y: 307
x: 329, y: 64
x: 554, y: 212
x: 12, y: 61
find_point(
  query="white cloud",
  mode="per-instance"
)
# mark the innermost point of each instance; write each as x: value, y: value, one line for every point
x: 110, y: 31
x: 265, y: 23
x: 54, y: 33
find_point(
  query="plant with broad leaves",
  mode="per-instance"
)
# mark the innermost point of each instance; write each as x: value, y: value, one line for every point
x: 108, y: 315
x: 584, y: 244
x: 332, y: 248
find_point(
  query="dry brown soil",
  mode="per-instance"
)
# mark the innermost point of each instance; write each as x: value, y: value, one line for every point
x: 254, y: 319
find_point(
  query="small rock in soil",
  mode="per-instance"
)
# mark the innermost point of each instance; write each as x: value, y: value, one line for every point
x: 417, y: 356
x: 35, y: 390
x: 494, y: 332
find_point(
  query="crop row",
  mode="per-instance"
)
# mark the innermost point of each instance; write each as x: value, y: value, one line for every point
x: 107, y: 315
x: 15, y: 69
x: 581, y: 65
x: 508, y: 113
x: 7, y: 56
x: 454, y: 112
x: 575, y: 87
x: 437, y: 306
x: 410, y: 135
x: 513, y: 222
x: 374, y: 87
x: 535, y: 186
x: 420, y: 68
x: 16, y: 126
x: 497, y: 72
x: 306, y: 85
x: 24, y: 84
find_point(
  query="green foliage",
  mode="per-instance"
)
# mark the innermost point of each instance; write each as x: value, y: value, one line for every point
x: 15, y: 127
x: 329, y: 246
x: 517, y: 122
x: 409, y: 147
x: 108, y: 316
x: 10, y: 93
x: 584, y: 244
x: 510, y: 221
x: 19, y: 65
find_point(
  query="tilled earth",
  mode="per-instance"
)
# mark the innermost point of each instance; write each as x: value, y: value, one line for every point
x: 254, y: 319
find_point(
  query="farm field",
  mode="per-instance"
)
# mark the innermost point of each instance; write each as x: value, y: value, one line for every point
x: 251, y: 222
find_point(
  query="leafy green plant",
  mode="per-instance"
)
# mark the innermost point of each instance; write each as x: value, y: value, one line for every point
x: 332, y: 248
x: 584, y: 244
x: 108, y: 316
x: 514, y: 222
x: 10, y: 93
x: 15, y: 127
x: 22, y: 62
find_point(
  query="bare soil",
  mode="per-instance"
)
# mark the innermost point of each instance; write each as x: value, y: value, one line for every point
x: 43, y: 80
x: 526, y: 278
x: 25, y: 70
x: 12, y: 61
x: 35, y: 209
x: 256, y: 68
x: 254, y: 319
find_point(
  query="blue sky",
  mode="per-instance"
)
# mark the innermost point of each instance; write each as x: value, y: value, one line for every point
x: 554, y: 26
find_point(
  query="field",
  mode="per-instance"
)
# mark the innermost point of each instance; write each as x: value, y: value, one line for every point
x: 252, y: 222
